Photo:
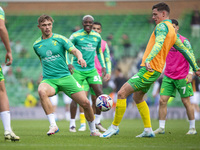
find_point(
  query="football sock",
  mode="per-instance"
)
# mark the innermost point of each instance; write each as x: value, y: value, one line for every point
x: 162, y: 124
x: 148, y: 129
x: 51, y: 118
x: 72, y: 123
x: 92, y: 126
x: 113, y: 126
x: 5, y: 117
x: 97, y: 119
x: 56, y: 117
x: 144, y: 112
x: 192, y: 123
x: 119, y: 112
x: 82, y: 118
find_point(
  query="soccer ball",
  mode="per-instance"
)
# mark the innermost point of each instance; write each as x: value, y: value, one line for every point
x: 104, y: 102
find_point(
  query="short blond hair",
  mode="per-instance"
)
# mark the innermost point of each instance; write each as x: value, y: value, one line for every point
x: 42, y: 18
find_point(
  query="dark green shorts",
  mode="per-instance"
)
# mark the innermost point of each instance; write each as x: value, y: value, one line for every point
x: 169, y: 87
x: 143, y: 80
x: 66, y: 84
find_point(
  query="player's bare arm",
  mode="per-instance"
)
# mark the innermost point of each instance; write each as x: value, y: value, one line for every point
x: 79, y: 56
x: 108, y: 63
x: 71, y: 68
x: 8, y: 58
x: 148, y: 67
x: 103, y: 72
x: 5, y: 39
x: 107, y: 77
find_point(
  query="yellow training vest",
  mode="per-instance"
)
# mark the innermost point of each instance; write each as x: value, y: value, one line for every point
x: 158, y: 62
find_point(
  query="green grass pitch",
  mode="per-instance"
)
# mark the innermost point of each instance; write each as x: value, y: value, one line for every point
x: 33, y: 137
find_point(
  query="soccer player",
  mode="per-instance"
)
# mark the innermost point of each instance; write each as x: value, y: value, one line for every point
x: 195, y: 98
x: 177, y: 75
x: 89, y: 43
x: 4, y: 102
x: 51, y: 49
x: 160, y: 42
x: 106, y: 53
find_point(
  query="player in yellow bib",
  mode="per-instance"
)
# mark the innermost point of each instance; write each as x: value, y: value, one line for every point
x: 160, y: 42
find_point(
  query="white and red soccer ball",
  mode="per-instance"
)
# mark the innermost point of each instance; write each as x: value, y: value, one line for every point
x: 104, y: 102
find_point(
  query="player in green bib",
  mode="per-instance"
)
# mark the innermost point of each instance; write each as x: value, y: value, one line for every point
x: 51, y: 49
x: 4, y: 102
x: 89, y: 43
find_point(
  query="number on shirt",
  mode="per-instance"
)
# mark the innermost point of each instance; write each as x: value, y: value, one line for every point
x: 184, y: 89
x: 97, y: 78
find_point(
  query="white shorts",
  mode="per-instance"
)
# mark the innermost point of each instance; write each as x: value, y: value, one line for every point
x: 195, y: 98
x: 54, y: 99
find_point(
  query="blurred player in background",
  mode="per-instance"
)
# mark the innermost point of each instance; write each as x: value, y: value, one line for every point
x: 4, y: 103
x: 89, y: 43
x: 195, y: 98
x: 178, y: 75
x: 106, y: 53
x: 51, y: 49
x: 160, y: 42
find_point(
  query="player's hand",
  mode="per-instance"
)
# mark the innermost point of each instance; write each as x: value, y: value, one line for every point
x: 82, y: 62
x: 148, y: 67
x: 8, y: 59
x: 198, y: 72
x: 71, y: 68
x: 189, y: 78
x: 103, y: 70
x: 107, y: 77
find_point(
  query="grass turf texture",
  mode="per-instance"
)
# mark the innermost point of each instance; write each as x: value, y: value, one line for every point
x: 33, y: 136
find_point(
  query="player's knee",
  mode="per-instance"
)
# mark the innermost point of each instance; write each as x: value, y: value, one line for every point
x: 41, y: 93
x: 162, y: 101
x: 2, y: 89
x: 86, y: 104
x: 186, y: 103
x: 120, y: 94
x: 136, y: 99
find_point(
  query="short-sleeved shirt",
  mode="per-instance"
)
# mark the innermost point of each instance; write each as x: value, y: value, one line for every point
x: 52, y: 52
x: 2, y: 14
x: 88, y: 45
